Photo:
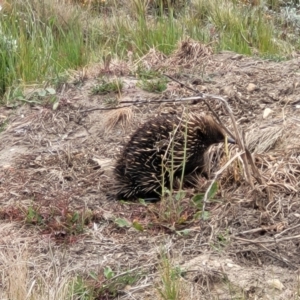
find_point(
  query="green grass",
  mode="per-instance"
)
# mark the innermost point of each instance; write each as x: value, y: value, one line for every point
x: 40, y: 40
x: 105, y: 87
x: 153, y: 85
x: 170, y: 287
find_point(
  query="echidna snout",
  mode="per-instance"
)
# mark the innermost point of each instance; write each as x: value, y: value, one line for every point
x: 161, y: 148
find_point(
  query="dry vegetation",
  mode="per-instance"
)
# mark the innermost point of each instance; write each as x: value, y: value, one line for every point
x: 233, y: 236
x: 66, y: 240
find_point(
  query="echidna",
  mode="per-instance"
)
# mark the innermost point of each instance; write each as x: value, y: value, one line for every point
x: 159, y: 149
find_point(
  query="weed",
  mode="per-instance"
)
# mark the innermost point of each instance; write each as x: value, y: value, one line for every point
x: 108, y: 273
x: 37, y: 96
x: 170, y: 287
x: 38, y: 43
x: 105, y: 87
x: 146, y: 74
x: 171, y: 209
x: 153, y: 86
x: 106, y: 285
x: 74, y: 222
x: 3, y: 124
x: 115, y: 283
x: 198, y: 201
x: 40, y: 39
x: 221, y: 242
x: 61, y: 222
x: 111, y: 102
x: 123, y: 223
x: 79, y: 289
x: 33, y: 216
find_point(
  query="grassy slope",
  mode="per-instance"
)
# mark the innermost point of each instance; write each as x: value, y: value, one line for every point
x: 40, y: 40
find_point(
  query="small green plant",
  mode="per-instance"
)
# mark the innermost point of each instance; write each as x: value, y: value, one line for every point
x: 80, y: 290
x: 222, y: 241
x: 105, y: 87
x: 146, y: 74
x: 108, y: 273
x: 33, y: 216
x: 170, y: 287
x: 113, y: 283
x: 153, y: 85
x: 54, y: 219
x: 3, y: 124
x: 198, y: 202
x: 123, y: 223
x: 37, y: 96
x: 111, y: 102
x: 75, y: 222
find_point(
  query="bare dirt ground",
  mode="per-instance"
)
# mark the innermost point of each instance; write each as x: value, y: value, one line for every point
x: 55, y: 168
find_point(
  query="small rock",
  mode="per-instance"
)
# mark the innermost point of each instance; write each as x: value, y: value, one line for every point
x: 267, y: 112
x: 251, y: 87
x: 228, y: 91
x: 275, y: 283
x: 202, y: 88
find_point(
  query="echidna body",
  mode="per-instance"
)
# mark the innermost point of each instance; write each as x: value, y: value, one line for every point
x: 164, y: 146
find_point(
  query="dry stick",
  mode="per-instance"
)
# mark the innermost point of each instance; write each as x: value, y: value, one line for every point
x: 201, y: 96
x: 246, y: 155
x: 284, y: 231
x: 205, y: 200
x: 269, y: 252
x: 238, y: 136
x: 140, y: 102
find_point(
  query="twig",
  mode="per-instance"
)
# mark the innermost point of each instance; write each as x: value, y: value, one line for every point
x: 251, y: 230
x: 284, y: 231
x: 269, y: 252
x: 288, y: 238
x: 216, y: 177
x: 238, y: 137
x: 141, y: 102
x: 201, y: 96
x: 127, y: 272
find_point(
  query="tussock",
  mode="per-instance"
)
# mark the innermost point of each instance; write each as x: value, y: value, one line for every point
x: 122, y: 115
x: 279, y: 167
x: 189, y: 54
x: 260, y: 140
x: 268, y: 203
x: 152, y: 59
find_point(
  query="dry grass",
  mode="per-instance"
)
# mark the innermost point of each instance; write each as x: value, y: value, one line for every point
x: 62, y: 175
x: 123, y: 116
x: 188, y: 54
x: 15, y: 271
x: 23, y: 276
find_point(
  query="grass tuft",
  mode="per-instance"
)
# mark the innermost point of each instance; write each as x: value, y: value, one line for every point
x: 105, y: 87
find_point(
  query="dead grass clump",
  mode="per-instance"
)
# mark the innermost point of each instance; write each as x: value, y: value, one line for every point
x: 263, y: 217
x: 280, y: 168
x: 122, y: 115
x: 189, y: 55
x: 14, y: 271
x: 152, y: 60
x: 260, y: 140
